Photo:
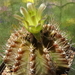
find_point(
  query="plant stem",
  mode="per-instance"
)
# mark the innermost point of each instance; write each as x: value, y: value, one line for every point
x: 38, y: 36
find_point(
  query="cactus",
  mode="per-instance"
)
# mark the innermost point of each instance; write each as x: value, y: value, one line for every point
x: 37, y: 48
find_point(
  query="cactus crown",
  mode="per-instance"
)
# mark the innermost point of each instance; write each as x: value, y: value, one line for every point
x: 32, y: 18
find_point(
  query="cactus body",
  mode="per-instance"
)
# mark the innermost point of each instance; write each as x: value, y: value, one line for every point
x: 27, y: 55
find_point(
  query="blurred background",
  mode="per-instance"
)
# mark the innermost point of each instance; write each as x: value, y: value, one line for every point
x: 61, y: 12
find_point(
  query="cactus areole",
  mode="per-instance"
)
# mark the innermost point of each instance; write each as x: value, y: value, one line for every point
x: 37, y: 48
